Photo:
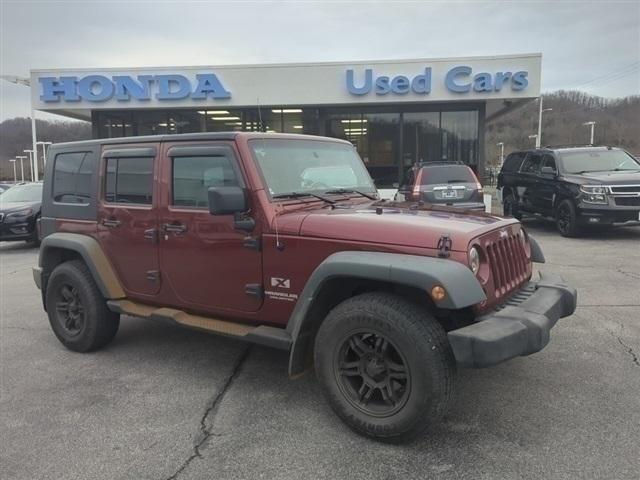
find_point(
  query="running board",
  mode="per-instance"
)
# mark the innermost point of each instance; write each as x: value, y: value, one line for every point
x: 263, y: 335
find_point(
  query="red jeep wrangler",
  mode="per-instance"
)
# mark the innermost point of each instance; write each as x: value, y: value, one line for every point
x: 281, y: 240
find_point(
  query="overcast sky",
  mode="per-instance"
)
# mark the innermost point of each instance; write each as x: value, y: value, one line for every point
x: 591, y: 46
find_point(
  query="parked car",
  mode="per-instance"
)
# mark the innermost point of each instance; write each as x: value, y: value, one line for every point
x: 442, y: 183
x: 253, y: 236
x: 574, y: 186
x: 5, y: 186
x: 20, y: 208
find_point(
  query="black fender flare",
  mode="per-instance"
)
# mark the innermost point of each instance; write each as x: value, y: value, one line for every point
x: 536, y: 252
x: 92, y: 254
x: 460, y: 284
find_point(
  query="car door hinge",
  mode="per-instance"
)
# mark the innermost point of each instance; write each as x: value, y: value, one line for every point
x: 252, y: 243
x: 254, y: 289
x: 444, y: 246
x: 153, y: 275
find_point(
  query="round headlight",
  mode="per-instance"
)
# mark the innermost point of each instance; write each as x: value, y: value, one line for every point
x: 474, y: 260
x: 523, y: 237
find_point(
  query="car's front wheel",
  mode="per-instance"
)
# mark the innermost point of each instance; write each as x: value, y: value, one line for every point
x: 77, y: 311
x: 385, y: 365
x: 566, y: 219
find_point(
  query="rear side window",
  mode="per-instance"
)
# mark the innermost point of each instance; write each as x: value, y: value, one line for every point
x: 513, y: 162
x: 129, y: 180
x: 192, y: 177
x: 72, y: 178
x: 447, y: 174
x: 532, y: 163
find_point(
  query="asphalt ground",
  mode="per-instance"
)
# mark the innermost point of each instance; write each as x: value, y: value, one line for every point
x: 161, y: 402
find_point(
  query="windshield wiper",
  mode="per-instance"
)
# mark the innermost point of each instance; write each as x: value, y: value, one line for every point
x: 350, y: 190
x: 304, y: 194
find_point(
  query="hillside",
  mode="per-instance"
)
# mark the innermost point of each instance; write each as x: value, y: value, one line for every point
x: 15, y: 137
x: 617, y: 123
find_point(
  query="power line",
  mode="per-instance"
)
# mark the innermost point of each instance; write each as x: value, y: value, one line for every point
x: 627, y: 68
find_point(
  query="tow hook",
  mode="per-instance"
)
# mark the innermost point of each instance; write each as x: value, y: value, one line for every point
x: 444, y: 246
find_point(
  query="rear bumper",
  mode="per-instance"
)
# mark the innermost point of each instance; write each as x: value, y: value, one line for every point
x: 520, y: 327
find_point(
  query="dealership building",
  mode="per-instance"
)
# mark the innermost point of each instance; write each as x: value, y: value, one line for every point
x: 396, y: 112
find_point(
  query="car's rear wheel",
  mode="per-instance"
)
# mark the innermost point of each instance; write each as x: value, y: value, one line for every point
x: 385, y: 365
x: 510, y: 207
x: 77, y: 311
x: 566, y: 220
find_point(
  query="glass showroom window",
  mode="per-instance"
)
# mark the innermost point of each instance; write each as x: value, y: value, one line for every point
x: 185, y: 121
x: 460, y: 136
x: 421, y: 138
x: 111, y: 125
x: 221, y: 120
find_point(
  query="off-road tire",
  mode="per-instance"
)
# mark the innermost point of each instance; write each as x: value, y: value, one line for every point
x: 566, y: 219
x: 98, y: 324
x: 418, y: 338
x: 510, y: 207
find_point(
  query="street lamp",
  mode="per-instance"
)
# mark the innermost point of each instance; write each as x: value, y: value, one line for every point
x: 21, y: 157
x: 15, y: 176
x: 501, y: 145
x: 31, y: 162
x: 44, y: 151
x: 593, y: 126
x: 536, y: 138
x: 27, y: 83
x: 540, y: 112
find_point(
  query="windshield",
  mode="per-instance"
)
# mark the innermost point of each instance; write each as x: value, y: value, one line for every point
x: 23, y: 193
x: 597, y: 161
x: 310, y: 166
x: 447, y: 174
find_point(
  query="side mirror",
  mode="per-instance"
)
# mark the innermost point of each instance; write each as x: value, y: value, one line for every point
x: 226, y: 200
x: 548, y: 171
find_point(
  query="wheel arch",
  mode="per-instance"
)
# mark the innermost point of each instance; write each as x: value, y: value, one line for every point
x: 346, y: 274
x: 61, y: 247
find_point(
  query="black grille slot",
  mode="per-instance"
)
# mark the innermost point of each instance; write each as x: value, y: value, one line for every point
x: 627, y: 201
x: 508, y: 264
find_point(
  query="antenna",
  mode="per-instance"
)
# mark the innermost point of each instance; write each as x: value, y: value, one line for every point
x: 279, y: 246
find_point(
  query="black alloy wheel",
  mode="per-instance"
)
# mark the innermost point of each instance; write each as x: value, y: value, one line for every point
x: 70, y: 312
x: 372, y: 374
x: 566, y: 221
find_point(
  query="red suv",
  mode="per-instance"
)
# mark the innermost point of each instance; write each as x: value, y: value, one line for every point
x: 281, y: 240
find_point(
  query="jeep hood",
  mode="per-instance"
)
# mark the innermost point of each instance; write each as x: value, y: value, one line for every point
x: 397, y: 225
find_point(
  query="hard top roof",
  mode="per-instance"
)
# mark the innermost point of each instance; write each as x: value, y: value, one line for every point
x: 196, y: 137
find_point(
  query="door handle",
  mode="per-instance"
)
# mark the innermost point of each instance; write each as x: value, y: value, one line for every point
x: 151, y: 234
x: 110, y: 222
x: 174, y: 227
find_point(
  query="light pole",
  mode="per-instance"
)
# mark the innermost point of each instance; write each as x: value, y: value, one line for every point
x: 536, y: 138
x: 540, y: 112
x: 44, y: 151
x: 593, y: 126
x: 15, y: 176
x: 501, y: 145
x: 27, y: 83
x: 31, y: 154
x: 21, y: 157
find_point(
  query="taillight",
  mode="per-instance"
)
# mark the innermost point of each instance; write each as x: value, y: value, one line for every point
x: 416, y: 185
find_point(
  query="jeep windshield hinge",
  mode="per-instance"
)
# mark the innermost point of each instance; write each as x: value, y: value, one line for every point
x: 444, y: 246
x: 254, y: 290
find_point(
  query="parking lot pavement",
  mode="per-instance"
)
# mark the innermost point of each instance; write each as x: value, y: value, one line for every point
x: 163, y: 402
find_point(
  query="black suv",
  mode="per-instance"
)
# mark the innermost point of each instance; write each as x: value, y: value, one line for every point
x: 574, y: 186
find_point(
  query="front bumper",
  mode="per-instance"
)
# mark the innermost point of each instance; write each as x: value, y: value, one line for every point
x: 519, y: 327
x: 606, y: 215
x: 16, y: 229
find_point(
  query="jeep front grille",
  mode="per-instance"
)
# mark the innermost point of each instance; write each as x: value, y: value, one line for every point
x: 508, y: 264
